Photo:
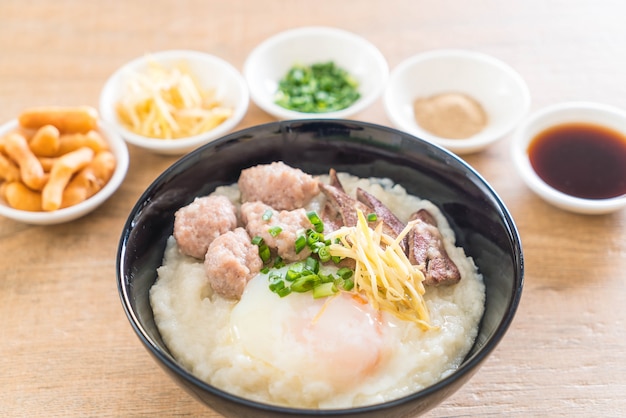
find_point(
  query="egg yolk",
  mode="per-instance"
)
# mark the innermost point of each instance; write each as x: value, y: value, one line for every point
x: 333, y: 340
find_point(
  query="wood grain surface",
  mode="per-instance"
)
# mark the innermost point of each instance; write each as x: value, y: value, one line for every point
x: 66, y: 347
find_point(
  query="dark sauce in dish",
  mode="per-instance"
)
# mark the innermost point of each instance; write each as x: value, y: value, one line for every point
x: 581, y: 159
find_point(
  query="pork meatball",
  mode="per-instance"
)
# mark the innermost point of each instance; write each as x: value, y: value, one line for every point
x: 199, y: 223
x: 292, y: 224
x: 230, y: 262
x: 277, y: 185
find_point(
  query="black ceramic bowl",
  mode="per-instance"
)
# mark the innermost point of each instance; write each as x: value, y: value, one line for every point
x: 482, y: 224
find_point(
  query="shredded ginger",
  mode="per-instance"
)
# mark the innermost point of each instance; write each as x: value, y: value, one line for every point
x: 168, y: 103
x: 383, y: 272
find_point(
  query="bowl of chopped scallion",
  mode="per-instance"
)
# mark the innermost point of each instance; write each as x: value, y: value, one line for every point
x: 314, y: 72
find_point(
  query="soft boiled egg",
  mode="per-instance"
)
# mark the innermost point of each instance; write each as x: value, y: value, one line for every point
x: 336, y: 341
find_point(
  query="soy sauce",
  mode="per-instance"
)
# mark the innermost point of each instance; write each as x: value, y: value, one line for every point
x: 581, y: 159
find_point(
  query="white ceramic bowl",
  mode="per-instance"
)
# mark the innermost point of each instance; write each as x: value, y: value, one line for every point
x: 500, y: 90
x: 270, y: 61
x: 118, y: 148
x: 210, y: 71
x: 562, y: 113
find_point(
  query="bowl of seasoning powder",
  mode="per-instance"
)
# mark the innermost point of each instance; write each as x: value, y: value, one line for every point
x: 573, y: 156
x: 461, y: 100
x: 314, y: 72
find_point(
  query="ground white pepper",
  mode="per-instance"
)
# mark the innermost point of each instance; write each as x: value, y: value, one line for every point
x: 450, y: 115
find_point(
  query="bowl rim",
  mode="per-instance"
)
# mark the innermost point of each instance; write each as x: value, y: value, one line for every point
x: 478, y: 141
x: 563, y: 112
x: 260, y: 99
x: 469, y: 365
x: 120, y: 151
x: 109, y: 95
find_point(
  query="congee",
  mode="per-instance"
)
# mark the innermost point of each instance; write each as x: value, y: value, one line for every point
x: 316, y: 291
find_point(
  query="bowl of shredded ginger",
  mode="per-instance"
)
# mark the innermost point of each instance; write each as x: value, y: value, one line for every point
x: 171, y: 102
x: 461, y: 100
x: 314, y: 71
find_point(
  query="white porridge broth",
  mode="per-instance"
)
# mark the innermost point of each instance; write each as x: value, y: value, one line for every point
x: 353, y: 360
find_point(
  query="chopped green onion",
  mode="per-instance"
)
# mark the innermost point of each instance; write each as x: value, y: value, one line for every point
x: 275, y: 230
x: 298, y: 266
x: 292, y: 275
x: 274, y: 287
x: 326, y: 278
x: 345, y: 273
x: 312, y: 264
x: 336, y: 259
x: 279, y: 262
x: 324, y: 254
x: 264, y: 250
x: 312, y: 237
x: 313, y: 217
x: 315, y: 220
x: 317, y: 88
x: 316, y: 247
x: 304, y: 283
x: 303, y: 276
x: 283, y: 292
x: 323, y: 290
x: 267, y: 215
x: 372, y: 217
x: 300, y: 243
x: 348, y: 284
x: 264, y: 253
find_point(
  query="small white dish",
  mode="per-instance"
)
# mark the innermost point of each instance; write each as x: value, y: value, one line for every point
x: 558, y: 114
x: 120, y: 151
x: 210, y: 71
x: 500, y: 90
x: 270, y: 61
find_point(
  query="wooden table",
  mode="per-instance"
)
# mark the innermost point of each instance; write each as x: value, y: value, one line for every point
x: 67, y: 348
